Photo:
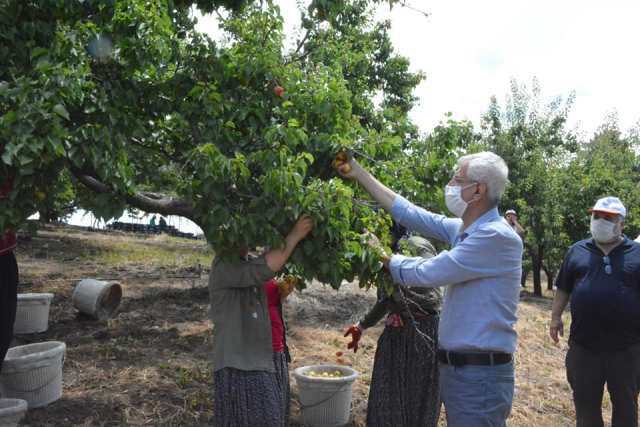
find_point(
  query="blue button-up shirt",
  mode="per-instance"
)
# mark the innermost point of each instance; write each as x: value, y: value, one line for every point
x: 481, y: 271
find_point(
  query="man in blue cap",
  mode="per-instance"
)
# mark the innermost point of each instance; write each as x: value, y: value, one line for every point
x: 601, y: 277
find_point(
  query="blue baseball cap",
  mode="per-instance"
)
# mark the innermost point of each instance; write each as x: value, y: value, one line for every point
x: 610, y: 205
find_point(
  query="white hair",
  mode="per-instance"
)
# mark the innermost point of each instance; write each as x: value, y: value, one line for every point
x: 487, y: 168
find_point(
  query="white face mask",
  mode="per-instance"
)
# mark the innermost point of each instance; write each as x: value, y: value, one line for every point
x: 604, y: 231
x: 453, y: 199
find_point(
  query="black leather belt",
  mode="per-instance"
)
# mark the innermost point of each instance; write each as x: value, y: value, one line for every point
x: 460, y: 359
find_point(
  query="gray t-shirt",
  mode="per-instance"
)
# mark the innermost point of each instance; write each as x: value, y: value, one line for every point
x: 239, y: 312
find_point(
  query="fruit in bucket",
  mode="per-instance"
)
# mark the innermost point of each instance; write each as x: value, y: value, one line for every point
x: 324, y: 374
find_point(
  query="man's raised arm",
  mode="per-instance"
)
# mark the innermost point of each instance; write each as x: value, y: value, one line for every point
x: 350, y: 168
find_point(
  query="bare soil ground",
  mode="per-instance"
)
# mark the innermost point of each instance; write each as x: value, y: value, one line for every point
x: 149, y: 365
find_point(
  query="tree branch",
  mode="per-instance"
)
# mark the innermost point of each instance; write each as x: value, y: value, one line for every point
x: 146, y: 201
x: 296, y: 56
x: 301, y: 43
x: 408, y: 6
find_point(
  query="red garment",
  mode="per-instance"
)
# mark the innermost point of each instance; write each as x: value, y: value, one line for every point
x: 8, y: 240
x: 277, y: 325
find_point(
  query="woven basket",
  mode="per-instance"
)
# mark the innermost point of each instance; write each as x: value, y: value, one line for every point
x: 32, y: 313
x: 96, y: 298
x: 33, y: 372
x: 12, y: 411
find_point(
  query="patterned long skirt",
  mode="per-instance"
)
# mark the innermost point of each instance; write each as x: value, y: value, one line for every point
x: 252, y: 398
x: 404, y: 388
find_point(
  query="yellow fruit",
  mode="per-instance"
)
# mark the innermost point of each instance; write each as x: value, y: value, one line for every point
x: 287, y: 285
x: 341, y: 162
x: 40, y: 195
x: 324, y: 374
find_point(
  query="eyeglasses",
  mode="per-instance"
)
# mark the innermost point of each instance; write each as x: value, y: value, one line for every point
x: 607, y: 264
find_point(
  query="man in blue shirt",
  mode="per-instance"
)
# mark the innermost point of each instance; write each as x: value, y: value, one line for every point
x: 601, y: 277
x: 481, y: 273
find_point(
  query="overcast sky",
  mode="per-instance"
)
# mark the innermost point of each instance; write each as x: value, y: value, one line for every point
x: 469, y: 51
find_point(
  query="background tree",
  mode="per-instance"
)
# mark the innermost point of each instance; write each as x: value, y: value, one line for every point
x: 606, y: 165
x: 534, y: 143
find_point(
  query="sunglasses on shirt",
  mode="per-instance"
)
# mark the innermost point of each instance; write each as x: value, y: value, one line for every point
x: 607, y: 264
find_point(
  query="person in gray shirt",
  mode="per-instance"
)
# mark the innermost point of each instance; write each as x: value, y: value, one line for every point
x: 250, y: 380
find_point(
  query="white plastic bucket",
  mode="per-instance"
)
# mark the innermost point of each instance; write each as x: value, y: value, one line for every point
x: 325, y: 401
x: 12, y: 411
x: 32, y: 313
x: 33, y: 372
x: 96, y: 298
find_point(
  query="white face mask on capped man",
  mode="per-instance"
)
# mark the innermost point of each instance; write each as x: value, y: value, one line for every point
x: 604, y: 231
x: 453, y: 199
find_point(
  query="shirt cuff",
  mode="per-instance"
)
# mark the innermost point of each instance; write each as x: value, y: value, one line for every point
x: 399, y: 208
x: 394, y: 268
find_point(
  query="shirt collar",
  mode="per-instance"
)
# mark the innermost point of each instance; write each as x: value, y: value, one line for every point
x: 626, y: 243
x: 490, y: 215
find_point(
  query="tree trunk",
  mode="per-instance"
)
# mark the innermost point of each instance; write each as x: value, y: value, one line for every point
x: 536, y: 265
x: 550, y: 276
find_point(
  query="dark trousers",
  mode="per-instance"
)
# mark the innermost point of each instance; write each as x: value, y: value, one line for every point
x: 587, y: 373
x: 8, y: 301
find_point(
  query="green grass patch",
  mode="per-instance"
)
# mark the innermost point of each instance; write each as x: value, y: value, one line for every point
x: 169, y: 252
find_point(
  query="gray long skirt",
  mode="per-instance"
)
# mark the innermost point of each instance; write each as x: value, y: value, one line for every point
x: 404, y: 389
x: 252, y: 398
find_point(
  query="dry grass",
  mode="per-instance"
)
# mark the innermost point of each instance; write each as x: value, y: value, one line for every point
x: 542, y: 396
x: 117, y: 248
x: 158, y: 250
x: 149, y: 365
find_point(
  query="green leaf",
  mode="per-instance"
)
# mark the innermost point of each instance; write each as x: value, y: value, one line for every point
x: 6, y: 158
x: 293, y: 123
x: 38, y: 51
x: 9, y: 117
x: 61, y: 111
x: 25, y: 160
